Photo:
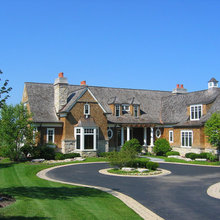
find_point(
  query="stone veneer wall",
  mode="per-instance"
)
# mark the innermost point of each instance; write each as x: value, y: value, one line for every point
x: 68, y: 146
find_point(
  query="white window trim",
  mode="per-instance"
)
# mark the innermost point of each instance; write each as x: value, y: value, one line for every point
x: 193, y: 106
x: 158, y: 136
x: 110, y: 130
x: 50, y: 129
x: 88, y: 109
x: 117, y: 105
x: 82, y: 134
x: 126, y: 106
x: 171, y: 132
x: 188, y: 141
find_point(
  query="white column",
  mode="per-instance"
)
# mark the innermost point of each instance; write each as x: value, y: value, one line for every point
x: 122, y: 136
x: 82, y: 139
x: 94, y: 139
x: 128, y: 133
x: 151, y: 136
x: 145, y: 136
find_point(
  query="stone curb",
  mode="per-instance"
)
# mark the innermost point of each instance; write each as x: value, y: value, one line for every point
x: 164, y: 172
x: 214, y: 191
x: 141, y: 210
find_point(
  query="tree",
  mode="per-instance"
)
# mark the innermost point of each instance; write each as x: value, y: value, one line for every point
x: 16, y: 130
x: 4, y: 91
x: 212, y: 130
x: 132, y: 144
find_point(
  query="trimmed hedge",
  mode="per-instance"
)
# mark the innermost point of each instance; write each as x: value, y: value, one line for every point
x: 60, y: 156
x: 152, y: 165
x: 170, y: 153
x: 209, y: 156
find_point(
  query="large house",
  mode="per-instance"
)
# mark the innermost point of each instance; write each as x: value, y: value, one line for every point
x: 91, y: 119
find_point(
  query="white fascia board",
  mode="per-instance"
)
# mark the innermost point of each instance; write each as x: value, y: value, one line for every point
x: 97, y: 101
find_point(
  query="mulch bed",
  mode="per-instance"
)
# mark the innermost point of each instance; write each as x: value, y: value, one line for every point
x: 6, y: 200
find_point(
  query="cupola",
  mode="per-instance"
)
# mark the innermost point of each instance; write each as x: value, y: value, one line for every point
x: 213, y: 83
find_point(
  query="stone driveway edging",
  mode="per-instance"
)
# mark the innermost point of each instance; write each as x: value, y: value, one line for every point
x: 214, y: 191
x: 141, y: 210
x: 164, y: 172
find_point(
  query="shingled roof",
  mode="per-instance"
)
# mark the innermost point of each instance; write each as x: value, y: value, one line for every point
x: 157, y: 107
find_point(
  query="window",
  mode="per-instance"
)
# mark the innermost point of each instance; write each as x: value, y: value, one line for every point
x: 125, y: 108
x: 117, y: 110
x: 195, y: 112
x: 171, y: 136
x: 86, y: 109
x: 135, y: 110
x: 86, y: 138
x: 110, y: 133
x: 158, y: 133
x: 186, y: 138
x: 50, y: 135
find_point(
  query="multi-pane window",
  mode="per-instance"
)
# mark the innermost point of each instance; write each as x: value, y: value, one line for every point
x: 171, y: 136
x: 50, y: 135
x: 186, y: 138
x: 135, y: 110
x: 78, y: 137
x: 86, y: 109
x: 117, y: 110
x: 195, y: 112
x: 125, y: 108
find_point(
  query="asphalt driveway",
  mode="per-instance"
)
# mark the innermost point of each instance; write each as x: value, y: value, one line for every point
x: 180, y: 195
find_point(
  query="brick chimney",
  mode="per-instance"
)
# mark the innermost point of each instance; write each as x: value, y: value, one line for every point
x: 60, y: 92
x: 179, y: 89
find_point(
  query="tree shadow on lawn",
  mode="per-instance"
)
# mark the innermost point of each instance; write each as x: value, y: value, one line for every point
x: 6, y: 165
x: 60, y: 193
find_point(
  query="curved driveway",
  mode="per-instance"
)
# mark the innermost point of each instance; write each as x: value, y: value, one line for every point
x: 180, y: 195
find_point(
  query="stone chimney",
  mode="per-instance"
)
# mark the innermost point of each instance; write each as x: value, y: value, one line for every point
x: 60, y: 92
x: 179, y: 89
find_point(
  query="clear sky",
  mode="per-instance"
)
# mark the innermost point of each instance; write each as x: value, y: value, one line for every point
x: 146, y: 44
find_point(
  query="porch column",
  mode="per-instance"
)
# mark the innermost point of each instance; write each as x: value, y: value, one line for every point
x: 145, y: 136
x: 128, y: 133
x: 82, y: 139
x: 151, y: 136
x: 94, y: 139
x: 122, y: 136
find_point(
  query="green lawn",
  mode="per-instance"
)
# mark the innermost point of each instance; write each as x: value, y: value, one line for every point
x: 175, y: 160
x: 41, y: 199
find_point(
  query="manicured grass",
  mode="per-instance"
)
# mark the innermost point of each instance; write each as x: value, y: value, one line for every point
x: 40, y: 199
x: 121, y: 172
x: 188, y: 162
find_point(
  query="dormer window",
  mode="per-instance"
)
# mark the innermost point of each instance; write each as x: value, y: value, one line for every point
x: 86, y: 109
x: 195, y: 112
x: 136, y: 110
x: 117, y: 110
x: 125, y: 108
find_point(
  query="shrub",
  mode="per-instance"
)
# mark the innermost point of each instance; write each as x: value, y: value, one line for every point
x: 59, y: 156
x: 170, y: 153
x: 192, y: 156
x: 104, y: 154
x: 203, y: 155
x: 152, y: 165
x: 44, y: 152
x: 137, y: 163
x: 161, y: 147
x: 122, y: 158
x: 27, y: 149
x: 211, y: 157
x: 132, y: 144
x: 71, y: 155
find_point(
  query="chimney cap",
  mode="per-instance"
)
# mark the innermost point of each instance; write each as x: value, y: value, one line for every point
x: 83, y: 83
x: 60, y: 75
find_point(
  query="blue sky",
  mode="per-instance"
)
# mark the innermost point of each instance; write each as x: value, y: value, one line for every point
x: 147, y: 44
